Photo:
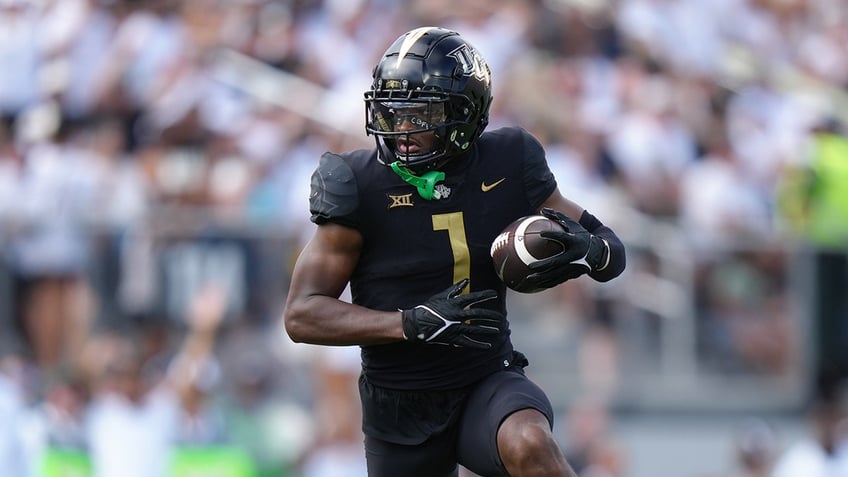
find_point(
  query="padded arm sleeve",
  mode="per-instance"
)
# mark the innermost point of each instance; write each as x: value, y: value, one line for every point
x: 617, y: 257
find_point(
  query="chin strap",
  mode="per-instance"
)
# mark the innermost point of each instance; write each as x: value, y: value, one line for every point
x: 425, y: 183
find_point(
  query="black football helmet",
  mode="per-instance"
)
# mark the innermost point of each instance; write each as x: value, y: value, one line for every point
x: 435, y: 80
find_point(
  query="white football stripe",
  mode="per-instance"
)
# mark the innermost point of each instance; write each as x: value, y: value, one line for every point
x: 520, y: 246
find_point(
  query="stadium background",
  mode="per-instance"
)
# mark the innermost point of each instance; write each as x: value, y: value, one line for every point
x: 156, y: 154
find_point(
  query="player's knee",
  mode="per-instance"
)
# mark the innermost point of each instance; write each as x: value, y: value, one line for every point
x: 527, y: 441
x: 530, y: 440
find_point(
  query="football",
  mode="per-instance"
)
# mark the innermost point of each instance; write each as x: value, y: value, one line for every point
x: 520, y: 244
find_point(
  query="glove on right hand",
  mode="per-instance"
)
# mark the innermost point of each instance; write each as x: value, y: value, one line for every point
x: 448, y: 319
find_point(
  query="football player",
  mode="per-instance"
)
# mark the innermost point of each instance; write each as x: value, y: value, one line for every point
x: 408, y: 225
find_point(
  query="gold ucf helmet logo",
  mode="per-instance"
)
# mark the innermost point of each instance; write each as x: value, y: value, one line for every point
x: 472, y: 63
x: 404, y: 200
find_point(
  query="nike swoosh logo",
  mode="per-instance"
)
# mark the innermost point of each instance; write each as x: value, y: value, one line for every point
x: 487, y: 187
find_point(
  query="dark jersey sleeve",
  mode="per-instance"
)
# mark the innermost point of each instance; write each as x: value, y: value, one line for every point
x: 540, y: 184
x: 539, y: 181
x: 334, y: 196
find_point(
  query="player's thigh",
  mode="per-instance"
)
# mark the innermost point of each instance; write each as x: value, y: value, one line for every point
x: 436, y: 457
x: 496, y: 398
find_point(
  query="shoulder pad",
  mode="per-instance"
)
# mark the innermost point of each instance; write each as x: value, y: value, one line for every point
x: 333, y: 196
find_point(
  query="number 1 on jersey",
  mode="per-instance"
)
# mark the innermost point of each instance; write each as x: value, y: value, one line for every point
x: 455, y: 225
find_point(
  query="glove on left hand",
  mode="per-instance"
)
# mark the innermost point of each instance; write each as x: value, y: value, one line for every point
x: 582, y: 253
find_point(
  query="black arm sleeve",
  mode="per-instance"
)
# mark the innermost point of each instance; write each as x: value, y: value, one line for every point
x: 617, y: 258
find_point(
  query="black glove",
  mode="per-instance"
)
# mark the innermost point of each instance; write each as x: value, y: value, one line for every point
x: 447, y: 318
x: 583, y: 253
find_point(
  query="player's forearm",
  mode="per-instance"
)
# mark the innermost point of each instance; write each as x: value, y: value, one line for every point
x: 616, y: 260
x: 327, y: 321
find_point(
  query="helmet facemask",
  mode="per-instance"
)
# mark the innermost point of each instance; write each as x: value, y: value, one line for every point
x: 435, y: 66
x: 416, y: 129
x: 428, y: 102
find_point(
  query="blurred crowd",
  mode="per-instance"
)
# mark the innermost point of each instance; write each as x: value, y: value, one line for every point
x: 153, y: 150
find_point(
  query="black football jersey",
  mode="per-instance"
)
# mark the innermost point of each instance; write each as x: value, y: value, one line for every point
x: 414, y: 248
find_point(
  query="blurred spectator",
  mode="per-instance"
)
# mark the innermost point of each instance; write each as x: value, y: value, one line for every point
x: 11, y: 177
x: 60, y: 414
x: 648, y: 142
x: 756, y: 449
x: 77, y: 35
x: 765, y: 128
x: 133, y: 421
x: 14, y: 457
x: 824, y: 451
x: 202, y: 420
x: 51, y: 244
x: 742, y: 317
x: 719, y: 204
x: 338, y: 447
x: 814, y: 202
x: 148, y: 41
x: 268, y: 396
x: 589, y: 443
x: 21, y: 57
